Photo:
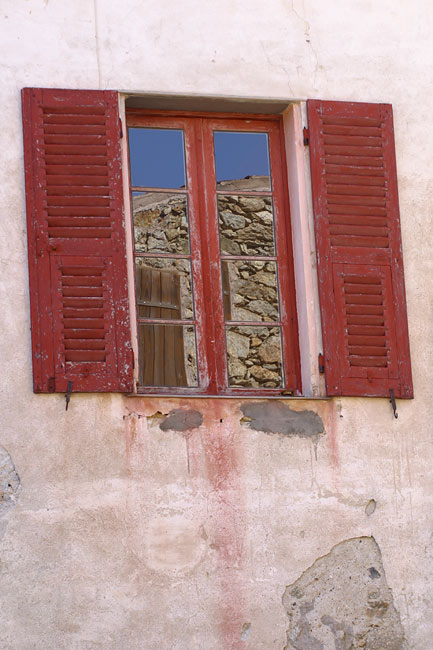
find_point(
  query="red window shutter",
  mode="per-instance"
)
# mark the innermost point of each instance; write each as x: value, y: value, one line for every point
x: 360, y: 265
x: 76, y: 241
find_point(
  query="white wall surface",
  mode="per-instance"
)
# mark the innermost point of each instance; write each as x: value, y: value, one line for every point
x: 112, y: 543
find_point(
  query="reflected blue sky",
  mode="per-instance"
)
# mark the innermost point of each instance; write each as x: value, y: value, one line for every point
x: 240, y: 154
x: 157, y: 156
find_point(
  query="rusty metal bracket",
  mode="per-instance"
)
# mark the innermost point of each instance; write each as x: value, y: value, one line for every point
x: 68, y: 394
x: 392, y: 401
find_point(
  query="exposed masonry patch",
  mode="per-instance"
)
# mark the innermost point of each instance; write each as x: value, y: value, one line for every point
x: 182, y: 420
x: 246, y: 631
x: 343, y: 602
x: 10, y: 486
x: 276, y: 417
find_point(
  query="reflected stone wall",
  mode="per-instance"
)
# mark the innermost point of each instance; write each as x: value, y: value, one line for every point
x: 250, y: 290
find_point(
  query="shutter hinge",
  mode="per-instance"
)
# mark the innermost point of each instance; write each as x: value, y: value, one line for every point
x: 68, y: 394
x: 321, y: 364
x: 306, y: 136
x: 133, y: 358
x: 120, y: 128
x: 392, y: 402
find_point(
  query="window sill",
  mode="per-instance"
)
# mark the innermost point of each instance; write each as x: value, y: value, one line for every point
x: 237, y: 397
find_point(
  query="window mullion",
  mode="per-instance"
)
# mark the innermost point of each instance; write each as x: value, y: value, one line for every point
x: 217, y: 354
x: 198, y: 263
x: 200, y: 260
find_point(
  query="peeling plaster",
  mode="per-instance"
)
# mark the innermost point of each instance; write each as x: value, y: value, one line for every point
x: 183, y: 421
x: 10, y: 487
x: 343, y: 602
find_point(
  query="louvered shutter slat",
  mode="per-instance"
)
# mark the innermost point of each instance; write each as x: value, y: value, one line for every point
x: 77, y: 255
x: 361, y: 286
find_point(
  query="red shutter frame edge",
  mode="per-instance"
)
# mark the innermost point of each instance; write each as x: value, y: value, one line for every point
x: 76, y: 240
x: 357, y: 226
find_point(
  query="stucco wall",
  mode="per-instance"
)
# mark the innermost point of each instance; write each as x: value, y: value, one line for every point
x: 119, y: 533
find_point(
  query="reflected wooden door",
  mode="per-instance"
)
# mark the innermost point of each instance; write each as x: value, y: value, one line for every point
x: 161, y: 346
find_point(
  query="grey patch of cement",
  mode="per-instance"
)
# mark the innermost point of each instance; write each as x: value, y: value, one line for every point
x: 343, y: 602
x: 10, y: 486
x: 276, y: 417
x: 182, y: 420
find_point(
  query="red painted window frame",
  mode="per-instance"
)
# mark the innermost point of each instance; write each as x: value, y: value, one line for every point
x: 198, y: 128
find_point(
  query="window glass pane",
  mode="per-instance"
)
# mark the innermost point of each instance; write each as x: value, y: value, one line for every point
x: 254, y: 356
x: 157, y: 157
x: 250, y: 290
x: 167, y: 355
x: 240, y: 155
x: 160, y: 222
x: 246, y: 225
x: 163, y: 288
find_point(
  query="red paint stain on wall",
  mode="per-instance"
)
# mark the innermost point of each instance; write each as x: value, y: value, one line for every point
x: 214, y: 449
x: 130, y: 433
x: 135, y: 416
x: 223, y: 461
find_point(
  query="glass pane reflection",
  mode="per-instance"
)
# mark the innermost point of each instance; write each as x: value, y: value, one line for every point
x: 167, y: 355
x: 254, y: 357
x: 246, y: 225
x: 156, y: 157
x: 250, y: 290
x: 163, y: 288
x: 240, y: 155
x: 160, y: 222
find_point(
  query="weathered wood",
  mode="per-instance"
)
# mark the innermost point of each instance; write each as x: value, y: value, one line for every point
x: 358, y: 247
x: 78, y: 279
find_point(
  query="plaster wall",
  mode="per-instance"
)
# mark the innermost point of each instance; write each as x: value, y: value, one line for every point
x: 119, y: 533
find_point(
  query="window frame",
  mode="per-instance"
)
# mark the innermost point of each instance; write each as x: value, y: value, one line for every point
x: 80, y: 228
x: 202, y: 193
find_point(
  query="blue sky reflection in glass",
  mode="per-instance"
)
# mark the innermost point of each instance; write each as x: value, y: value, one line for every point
x: 157, y: 158
x: 238, y: 155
